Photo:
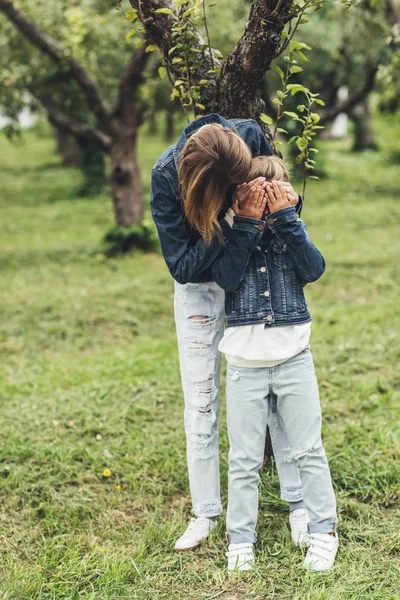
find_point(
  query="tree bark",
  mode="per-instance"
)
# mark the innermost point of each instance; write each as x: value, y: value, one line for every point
x: 125, y: 181
x: 363, y: 135
x: 67, y: 148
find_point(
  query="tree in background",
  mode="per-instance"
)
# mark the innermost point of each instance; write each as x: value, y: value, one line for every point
x: 86, y: 78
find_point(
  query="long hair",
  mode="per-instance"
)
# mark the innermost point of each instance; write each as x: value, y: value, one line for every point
x: 212, y: 159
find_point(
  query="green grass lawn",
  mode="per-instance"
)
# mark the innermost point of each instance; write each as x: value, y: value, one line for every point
x: 90, y: 381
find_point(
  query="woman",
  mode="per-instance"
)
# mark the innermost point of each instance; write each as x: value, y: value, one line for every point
x: 199, y: 302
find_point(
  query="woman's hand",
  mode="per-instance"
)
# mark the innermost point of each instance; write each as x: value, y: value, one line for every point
x: 292, y: 196
x: 254, y: 205
x: 243, y: 191
x: 276, y: 196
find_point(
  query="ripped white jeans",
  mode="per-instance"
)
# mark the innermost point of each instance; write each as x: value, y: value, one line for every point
x: 199, y: 316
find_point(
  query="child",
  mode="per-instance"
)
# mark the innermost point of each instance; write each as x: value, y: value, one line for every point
x: 270, y: 372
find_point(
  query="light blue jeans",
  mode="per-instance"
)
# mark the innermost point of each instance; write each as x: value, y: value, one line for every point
x: 199, y: 317
x: 286, y: 397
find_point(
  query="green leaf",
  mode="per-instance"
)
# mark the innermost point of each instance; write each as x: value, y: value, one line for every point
x: 131, y: 15
x: 151, y: 48
x: 278, y: 70
x: 293, y: 115
x: 140, y: 43
x: 301, y: 108
x: 295, y: 69
x: 276, y: 101
x: 200, y: 106
x: 294, y: 45
x: 302, y: 55
x: 301, y: 143
x: 179, y: 82
x: 294, y: 88
x: 314, y: 177
x: 281, y: 130
x: 164, y: 11
x: 315, y: 118
x: 131, y: 33
x: 204, y: 81
x: 320, y: 102
x: 162, y: 71
x: 281, y: 94
x: 266, y: 119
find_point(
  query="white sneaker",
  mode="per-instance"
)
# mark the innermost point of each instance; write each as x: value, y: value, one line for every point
x: 299, y: 521
x: 198, y: 529
x: 322, y: 551
x: 240, y: 557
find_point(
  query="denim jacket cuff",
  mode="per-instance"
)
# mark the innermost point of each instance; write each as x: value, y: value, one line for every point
x: 249, y: 224
x: 282, y: 216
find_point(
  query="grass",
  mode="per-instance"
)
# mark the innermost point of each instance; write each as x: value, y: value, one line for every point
x: 90, y: 381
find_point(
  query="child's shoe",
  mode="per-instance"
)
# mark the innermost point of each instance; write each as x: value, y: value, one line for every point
x: 240, y: 557
x: 322, y: 551
x: 198, y: 529
x: 299, y: 521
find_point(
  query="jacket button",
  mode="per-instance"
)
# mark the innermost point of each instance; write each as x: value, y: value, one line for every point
x: 267, y: 293
x: 260, y: 227
x: 271, y: 221
x: 284, y: 248
x: 263, y: 269
x: 269, y: 318
x: 258, y: 247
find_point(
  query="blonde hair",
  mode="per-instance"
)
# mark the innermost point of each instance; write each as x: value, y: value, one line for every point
x: 270, y: 167
x: 212, y: 159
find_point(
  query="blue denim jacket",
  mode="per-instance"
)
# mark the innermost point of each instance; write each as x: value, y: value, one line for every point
x: 264, y: 268
x: 188, y: 258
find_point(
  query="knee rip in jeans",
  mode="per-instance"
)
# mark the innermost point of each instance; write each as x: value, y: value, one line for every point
x: 202, y: 426
x: 200, y: 321
x: 294, y: 456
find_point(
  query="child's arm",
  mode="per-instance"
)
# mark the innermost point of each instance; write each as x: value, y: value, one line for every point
x: 292, y: 233
x: 229, y: 268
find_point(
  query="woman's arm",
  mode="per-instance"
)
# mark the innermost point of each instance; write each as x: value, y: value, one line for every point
x: 186, y: 262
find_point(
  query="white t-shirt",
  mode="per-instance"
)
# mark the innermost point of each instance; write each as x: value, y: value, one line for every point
x: 260, y: 346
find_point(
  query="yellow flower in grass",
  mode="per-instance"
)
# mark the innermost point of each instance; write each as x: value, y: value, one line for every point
x: 118, y: 487
x: 106, y: 473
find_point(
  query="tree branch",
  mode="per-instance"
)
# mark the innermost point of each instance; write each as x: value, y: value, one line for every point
x: 347, y: 105
x: 50, y: 47
x: 132, y: 78
x: 158, y: 26
x: 80, y: 130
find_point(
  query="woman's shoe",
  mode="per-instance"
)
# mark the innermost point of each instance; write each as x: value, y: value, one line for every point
x: 198, y: 529
x: 240, y: 557
x: 322, y: 551
x: 299, y: 521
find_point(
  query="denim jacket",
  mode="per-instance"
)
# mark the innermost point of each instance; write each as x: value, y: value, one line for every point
x: 188, y: 258
x: 264, y: 268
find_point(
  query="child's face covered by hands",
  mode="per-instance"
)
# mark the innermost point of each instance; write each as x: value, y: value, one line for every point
x: 277, y: 196
x: 244, y: 191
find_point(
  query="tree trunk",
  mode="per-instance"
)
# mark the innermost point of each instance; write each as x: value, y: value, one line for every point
x: 169, y: 125
x: 67, y: 148
x: 125, y: 181
x: 93, y: 166
x: 363, y: 135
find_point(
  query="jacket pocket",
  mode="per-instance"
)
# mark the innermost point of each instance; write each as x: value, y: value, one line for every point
x: 281, y: 256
